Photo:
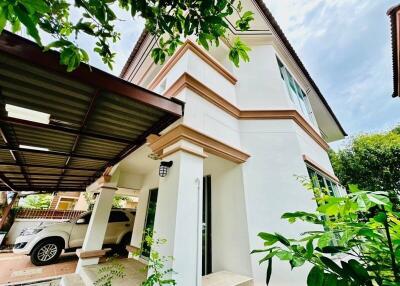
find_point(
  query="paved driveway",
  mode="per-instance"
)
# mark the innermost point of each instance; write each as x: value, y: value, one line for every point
x: 18, y: 268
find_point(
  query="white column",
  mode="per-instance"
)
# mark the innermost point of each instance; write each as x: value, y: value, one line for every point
x: 98, y: 224
x: 178, y: 216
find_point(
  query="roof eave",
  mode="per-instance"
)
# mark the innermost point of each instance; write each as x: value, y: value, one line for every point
x: 393, y: 15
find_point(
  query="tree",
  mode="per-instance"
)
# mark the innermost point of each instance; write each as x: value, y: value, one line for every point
x: 353, y: 247
x: 372, y: 162
x: 41, y: 201
x: 167, y: 20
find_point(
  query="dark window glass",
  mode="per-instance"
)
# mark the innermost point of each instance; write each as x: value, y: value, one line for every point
x: 206, y: 232
x: 116, y: 216
x: 149, y: 224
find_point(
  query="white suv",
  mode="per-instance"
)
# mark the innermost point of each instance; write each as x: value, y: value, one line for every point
x: 44, y: 243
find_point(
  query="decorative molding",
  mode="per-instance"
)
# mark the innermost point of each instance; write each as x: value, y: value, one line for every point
x: 193, y: 47
x: 184, y: 149
x: 290, y: 114
x: 315, y: 165
x: 209, y: 144
x: 188, y: 81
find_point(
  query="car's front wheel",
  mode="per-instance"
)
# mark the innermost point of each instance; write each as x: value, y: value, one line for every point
x: 46, y: 252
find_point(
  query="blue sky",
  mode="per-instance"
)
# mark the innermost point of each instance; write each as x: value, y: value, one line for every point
x: 344, y: 44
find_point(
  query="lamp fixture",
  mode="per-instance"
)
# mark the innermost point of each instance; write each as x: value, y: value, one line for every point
x: 164, y: 166
x: 27, y: 114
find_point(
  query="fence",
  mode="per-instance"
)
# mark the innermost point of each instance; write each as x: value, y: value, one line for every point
x: 47, y: 214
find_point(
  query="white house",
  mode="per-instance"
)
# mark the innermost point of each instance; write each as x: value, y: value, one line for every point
x: 245, y: 135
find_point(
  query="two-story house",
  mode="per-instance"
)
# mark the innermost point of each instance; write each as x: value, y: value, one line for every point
x: 245, y: 135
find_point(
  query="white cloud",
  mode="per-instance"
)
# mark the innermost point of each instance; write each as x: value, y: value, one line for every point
x: 346, y: 46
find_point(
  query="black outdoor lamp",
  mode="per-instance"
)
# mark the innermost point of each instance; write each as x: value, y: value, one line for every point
x: 164, y: 166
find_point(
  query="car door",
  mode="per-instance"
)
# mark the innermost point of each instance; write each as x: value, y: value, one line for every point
x: 78, y: 231
x: 118, y: 223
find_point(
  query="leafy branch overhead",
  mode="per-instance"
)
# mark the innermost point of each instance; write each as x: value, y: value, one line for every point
x: 168, y: 21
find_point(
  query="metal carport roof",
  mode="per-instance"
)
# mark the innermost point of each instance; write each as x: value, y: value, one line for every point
x: 96, y: 119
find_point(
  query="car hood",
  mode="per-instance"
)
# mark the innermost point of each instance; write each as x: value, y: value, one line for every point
x: 63, y: 226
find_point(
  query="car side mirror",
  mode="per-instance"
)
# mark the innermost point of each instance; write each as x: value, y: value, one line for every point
x: 80, y: 221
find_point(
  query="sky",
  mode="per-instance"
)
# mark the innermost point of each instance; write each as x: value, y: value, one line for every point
x: 344, y: 44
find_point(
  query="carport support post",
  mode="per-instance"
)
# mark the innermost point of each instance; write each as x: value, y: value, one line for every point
x: 98, y: 224
x: 178, y: 217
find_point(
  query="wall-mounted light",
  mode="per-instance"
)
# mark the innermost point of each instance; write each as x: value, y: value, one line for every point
x: 164, y: 166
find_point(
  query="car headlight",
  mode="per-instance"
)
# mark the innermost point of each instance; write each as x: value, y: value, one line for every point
x: 30, y: 231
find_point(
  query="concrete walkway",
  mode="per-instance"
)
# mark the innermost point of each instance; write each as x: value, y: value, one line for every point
x: 18, y: 268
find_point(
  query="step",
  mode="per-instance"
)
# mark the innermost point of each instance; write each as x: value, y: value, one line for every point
x: 226, y: 278
x: 72, y: 279
x: 134, y: 273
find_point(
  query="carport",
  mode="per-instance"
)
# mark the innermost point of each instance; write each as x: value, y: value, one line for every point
x: 62, y: 131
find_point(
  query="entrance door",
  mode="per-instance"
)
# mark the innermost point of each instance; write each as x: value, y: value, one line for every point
x: 206, y: 235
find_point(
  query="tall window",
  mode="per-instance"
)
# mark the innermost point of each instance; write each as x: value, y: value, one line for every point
x: 321, y: 181
x: 295, y: 92
x: 149, y: 223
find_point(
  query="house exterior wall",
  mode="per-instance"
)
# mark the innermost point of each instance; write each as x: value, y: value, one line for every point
x: 250, y: 197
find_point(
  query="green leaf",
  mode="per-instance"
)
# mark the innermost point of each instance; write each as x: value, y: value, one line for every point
x: 333, y: 266
x: 309, y: 248
x: 358, y: 269
x: 268, y: 237
x: 28, y: 23
x: 282, y: 239
x: 380, y: 217
x: 284, y: 255
x: 3, y: 19
x: 330, y: 279
x: 39, y: 6
x: 315, y: 277
x: 297, y: 261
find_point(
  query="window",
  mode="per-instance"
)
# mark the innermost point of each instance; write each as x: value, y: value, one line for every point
x: 295, y: 92
x: 149, y: 223
x: 116, y: 216
x: 321, y: 181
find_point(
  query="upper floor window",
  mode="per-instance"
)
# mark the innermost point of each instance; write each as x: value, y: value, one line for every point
x: 322, y: 182
x: 295, y: 92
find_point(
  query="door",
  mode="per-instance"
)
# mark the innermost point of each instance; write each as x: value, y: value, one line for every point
x: 118, y: 222
x: 149, y: 223
x: 206, y: 229
x: 78, y: 231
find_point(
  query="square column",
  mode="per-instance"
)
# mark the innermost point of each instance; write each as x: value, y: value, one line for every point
x: 178, y: 216
x: 97, y: 226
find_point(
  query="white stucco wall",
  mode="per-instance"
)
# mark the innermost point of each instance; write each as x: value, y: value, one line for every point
x: 259, y: 83
x: 150, y: 181
x: 271, y: 189
x: 230, y: 240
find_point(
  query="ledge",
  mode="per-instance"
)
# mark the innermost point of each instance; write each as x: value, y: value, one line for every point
x: 91, y: 253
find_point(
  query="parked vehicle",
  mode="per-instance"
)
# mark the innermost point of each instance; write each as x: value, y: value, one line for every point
x: 44, y: 243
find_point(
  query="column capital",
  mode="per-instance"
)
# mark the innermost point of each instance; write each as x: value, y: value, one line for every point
x: 195, y: 140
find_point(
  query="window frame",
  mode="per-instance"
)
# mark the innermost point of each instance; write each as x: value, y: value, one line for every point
x: 296, y: 93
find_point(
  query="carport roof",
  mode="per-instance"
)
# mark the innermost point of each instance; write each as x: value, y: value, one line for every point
x: 96, y: 119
